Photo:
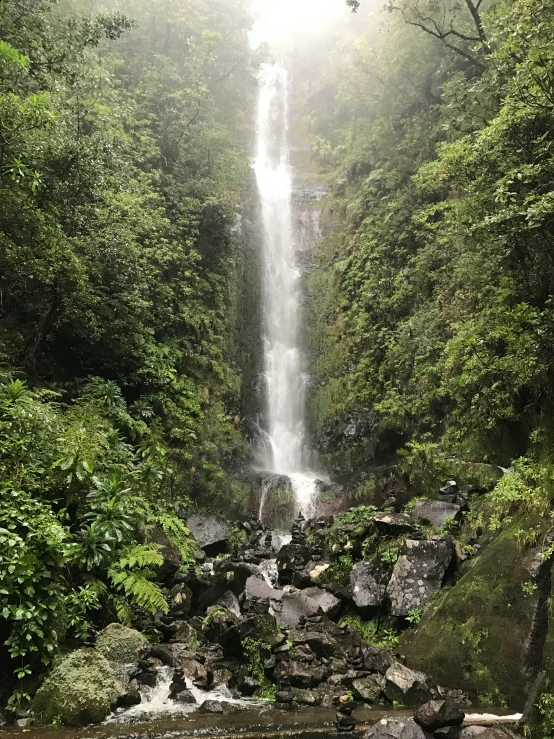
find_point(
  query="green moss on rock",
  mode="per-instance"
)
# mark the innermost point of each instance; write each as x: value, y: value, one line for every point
x: 80, y: 690
x: 120, y: 645
x: 480, y: 634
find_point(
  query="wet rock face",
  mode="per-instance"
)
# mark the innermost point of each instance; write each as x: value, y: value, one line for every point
x: 396, y: 728
x: 406, y: 686
x: 370, y: 688
x: 437, y: 714
x: 367, y: 588
x: 417, y: 574
x: 436, y: 512
x: 211, y: 532
x: 327, y: 602
x: 292, y: 608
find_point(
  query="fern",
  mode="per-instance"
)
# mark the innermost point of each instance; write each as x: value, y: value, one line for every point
x: 131, y: 574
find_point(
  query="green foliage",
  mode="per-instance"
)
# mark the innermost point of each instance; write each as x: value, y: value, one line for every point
x: 255, y: 652
x: 359, y: 514
x: 373, y: 632
x: 546, y: 709
x: 132, y: 574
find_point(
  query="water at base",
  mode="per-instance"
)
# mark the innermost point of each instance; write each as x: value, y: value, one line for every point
x: 156, y: 701
x: 283, y: 360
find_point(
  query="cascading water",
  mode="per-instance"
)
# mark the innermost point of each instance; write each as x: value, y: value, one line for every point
x: 284, y: 372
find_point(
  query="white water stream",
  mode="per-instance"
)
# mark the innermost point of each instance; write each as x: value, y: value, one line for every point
x: 283, y: 360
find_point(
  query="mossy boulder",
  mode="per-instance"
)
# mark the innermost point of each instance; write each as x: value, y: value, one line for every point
x: 80, y: 690
x: 486, y: 634
x: 121, y: 646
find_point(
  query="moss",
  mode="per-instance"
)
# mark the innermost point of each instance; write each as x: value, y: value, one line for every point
x: 80, y: 690
x: 120, y: 645
x: 474, y: 637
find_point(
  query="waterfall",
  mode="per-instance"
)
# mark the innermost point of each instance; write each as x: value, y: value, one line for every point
x: 283, y: 360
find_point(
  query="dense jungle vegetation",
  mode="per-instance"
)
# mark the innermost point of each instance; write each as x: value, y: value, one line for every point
x: 123, y: 154
x: 432, y: 295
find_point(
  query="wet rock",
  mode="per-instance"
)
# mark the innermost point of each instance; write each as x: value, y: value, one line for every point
x: 396, y: 728
x: 257, y: 588
x: 184, y: 696
x: 418, y: 573
x: 299, y: 696
x: 180, y: 597
x: 319, y: 642
x: 211, y: 706
x: 406, y: 686
x: 221, y: 676
x: 434, y: 512
x: 261, y: 627
x: 393, y: 524
x: 470, y: 732
x: 218, y: 621
x: 300, y: 674
x: 367, y: 589
x: 149, y: 678
x: 185, y: 634
x: 324, y: 600
x: 128, y: 695
x: 448, y: 732
x: 211, y: 532
x: 377, y: 659
x: 369, y: 688
x: 229, y: 601
x: 245, y: 683
x: 196, y: 672
x: 170, y: 552
x: 291, y: 559
x: 292, y: 608
x: 436, y: 714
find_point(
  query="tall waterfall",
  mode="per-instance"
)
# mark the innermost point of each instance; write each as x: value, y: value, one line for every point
x: 283, y: 360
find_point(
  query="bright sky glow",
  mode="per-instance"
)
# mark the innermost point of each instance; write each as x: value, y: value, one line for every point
x: 280, y: 19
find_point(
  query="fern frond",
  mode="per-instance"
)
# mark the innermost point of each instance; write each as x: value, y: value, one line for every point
x: 141, y: 555
x: 140, y: 591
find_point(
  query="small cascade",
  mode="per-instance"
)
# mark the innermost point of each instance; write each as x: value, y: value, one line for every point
x: 156, y: 701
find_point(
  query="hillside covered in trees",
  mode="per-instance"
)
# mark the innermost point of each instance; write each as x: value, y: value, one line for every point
x: 131, y: 350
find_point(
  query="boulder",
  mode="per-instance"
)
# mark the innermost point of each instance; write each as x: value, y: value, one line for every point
x: 437, y: 714
x: 229, y: 601
x: 488, y: 634
x: 300, y: 674
x: 324, y: 600
x: 393, y: 524
x: 261, y: 627
x: 406, y: 686
x: 196, y: 672
x: 185, y: 634
x: 291, y: 607
x: 184, y: 696
x: 80, y: 690
x: 396, y: 728
x: 180, y: 597
x: 367, y: 589
x: 291, y: 559
x: 121, y: 646
x: 418, y: 573
x: 127, y: 695
x: 435, y: 512
x: 319, y: 642
x: 211, y: 532
x: 377, y: 659
x: 369, y: 688
x: 212, y: 706
x: 298, y: 696
x: 170, y: 552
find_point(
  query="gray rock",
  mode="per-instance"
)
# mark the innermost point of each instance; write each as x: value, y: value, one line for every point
x: 196, y: 672
x: 448, y: 732
x: 229, y: 601
x: 291, y: 607
x: 377, y: 659
x: 406, y: 686
x: 319, y: 642
x: 393, y: 524
x: 417, y: 574
x: 436, y: 714
x: 184, y: 696
x: 367, y: 590
x: 324, y: 600
x: 436, y: 512
x: 300, y: 674
x: 208, y: 530
x: 470, y: 732
x: 369, y: 688
x: 396, y: 728
x: 211, y: 706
